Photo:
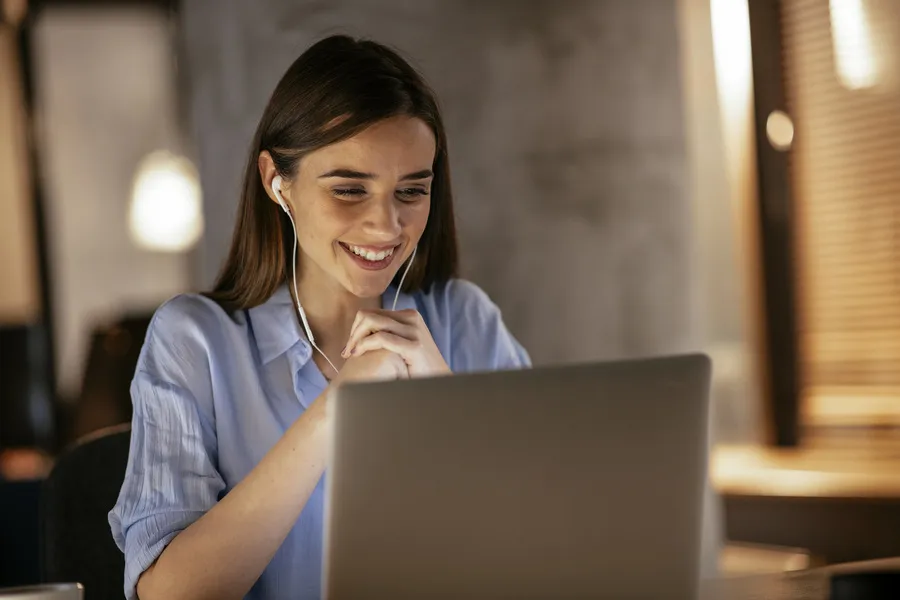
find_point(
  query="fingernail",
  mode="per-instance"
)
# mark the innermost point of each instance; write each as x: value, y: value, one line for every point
x: 344, y: 352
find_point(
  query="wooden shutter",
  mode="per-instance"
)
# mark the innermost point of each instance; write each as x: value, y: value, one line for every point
x: 845, y: 169
x: 19, y: 299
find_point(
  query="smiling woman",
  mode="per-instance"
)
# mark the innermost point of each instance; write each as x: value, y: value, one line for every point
x: 356, y: 116
x: 342, y: 268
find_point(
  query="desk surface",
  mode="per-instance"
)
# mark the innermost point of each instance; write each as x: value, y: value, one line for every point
x: 805, y: 586
x: 812, y: 584
x: 835, y: 465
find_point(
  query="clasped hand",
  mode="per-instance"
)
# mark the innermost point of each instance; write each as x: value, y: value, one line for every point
x: 391, y: 345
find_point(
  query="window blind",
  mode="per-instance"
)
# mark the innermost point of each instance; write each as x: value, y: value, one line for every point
x: 840, y: 78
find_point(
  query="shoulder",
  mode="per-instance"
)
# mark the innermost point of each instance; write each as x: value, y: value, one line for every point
x: 469, y: 328
x: 184, y: 334
x: 191, y: 318
x: 189, y: 343
x: 191, y: 313
x: 459, y: 298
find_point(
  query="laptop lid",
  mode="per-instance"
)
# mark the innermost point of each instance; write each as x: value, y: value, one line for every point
x: 558, y: 482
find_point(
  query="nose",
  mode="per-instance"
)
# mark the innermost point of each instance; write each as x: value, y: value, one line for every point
x: 382, y: 220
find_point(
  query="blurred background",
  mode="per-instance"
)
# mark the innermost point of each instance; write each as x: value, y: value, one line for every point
x: 631, y: 178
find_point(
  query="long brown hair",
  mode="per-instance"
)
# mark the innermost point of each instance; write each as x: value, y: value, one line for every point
x: 334, y: 90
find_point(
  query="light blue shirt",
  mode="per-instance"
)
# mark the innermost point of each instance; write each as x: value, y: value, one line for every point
x: 212, y: 394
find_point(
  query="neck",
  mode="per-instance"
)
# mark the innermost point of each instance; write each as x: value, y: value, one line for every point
x: 330, y: 309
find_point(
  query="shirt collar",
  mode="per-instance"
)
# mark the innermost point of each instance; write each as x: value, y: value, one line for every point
x: 275, y: 325
x: 277, y: 328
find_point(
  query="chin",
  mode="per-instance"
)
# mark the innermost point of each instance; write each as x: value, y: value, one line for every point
x: 372, y: 288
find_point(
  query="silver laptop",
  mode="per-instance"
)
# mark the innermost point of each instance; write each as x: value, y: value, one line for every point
x: 581, y: 481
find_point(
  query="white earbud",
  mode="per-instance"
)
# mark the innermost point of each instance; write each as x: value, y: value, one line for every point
x: 276, y: 189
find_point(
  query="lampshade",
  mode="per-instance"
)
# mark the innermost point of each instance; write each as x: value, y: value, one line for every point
x: 166, y: 212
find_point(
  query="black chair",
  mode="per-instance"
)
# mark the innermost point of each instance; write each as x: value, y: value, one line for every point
x: 76, y: 543
x: 19, y: 525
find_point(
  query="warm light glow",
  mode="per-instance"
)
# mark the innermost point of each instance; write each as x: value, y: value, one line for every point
x: 166, y: 213
x: 851, y: 34
x: 780, y: 130
x: 733, y: 61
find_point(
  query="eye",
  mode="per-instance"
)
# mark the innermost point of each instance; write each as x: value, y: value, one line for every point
x: 411, y: 194
x: 349, y: 193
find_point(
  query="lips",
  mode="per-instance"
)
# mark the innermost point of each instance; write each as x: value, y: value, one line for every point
x: 370, y: 258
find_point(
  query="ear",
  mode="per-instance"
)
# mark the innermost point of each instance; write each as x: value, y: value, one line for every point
x: 267, y: 173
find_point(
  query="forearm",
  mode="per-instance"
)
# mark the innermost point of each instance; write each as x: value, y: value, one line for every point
x: 223, y: 553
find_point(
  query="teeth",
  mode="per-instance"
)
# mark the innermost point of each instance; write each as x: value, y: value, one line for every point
x: 369, y: 255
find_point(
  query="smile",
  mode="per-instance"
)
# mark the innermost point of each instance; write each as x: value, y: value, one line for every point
x: 370, y: 255
x: 372, y: 259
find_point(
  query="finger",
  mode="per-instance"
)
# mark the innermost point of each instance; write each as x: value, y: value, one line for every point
x: 356, y: 320
x: 402, y: 370
x: 395, y: 364
x: 366, y: 324
x: 372, y: 323
x: 383, y: 340
x: 360, y: 316
x: 409, y: 316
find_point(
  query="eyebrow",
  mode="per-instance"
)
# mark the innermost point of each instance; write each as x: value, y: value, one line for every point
x: 351, y: 174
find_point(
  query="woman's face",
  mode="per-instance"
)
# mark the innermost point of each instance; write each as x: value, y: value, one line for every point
x: 361, y: 205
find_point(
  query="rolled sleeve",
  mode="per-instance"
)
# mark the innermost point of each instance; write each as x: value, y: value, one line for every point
x: 171, y: 478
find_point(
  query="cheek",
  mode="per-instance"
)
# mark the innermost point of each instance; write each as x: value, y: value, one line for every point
x: 307, y: 228
x: 417, y: 218
x: 320, y: 223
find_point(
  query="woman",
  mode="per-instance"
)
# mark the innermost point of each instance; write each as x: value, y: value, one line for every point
x: 223, y: 493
